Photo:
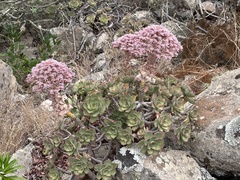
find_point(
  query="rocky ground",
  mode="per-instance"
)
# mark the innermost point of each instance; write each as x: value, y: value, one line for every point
x: 209, y: 33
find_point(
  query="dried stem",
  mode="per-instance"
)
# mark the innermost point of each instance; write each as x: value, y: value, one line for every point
x: 109, y: 151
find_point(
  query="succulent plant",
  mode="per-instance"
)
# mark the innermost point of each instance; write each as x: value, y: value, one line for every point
x: 125, y: 136
x: 85, y: 135
x: 75, y: 3
x: 152, y: 143
x: 106, y: 171
x: 134, y: 120
x: 71, y: 146
x: 188, y: 95
x: 95, y: 105
x: 118, y: 113
x: 57, y: 140
x: 90, y: 18
x: 104, y: 18
x: 193, y: 115
x: 82, y: 87
x: 183, y: 133
x: 92, y: 3
x: 127, y: 103
x: 165, y: 92
x: 54, y: 174
x: 158, y: 102
x: 163, y: 121
x: 176, y: 90
x: 170, y: 81
x: 118, y: 89
x: 178, y: 105
x: 80, y: 166
x: 131, y: 23
x: 48, y: 146
x: 111, y: 128
x: 141, y: 132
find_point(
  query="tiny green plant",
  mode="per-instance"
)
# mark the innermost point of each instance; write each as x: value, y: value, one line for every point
x: 8, y: 167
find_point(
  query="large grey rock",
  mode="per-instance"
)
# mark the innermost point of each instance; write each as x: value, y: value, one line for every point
x: 24, y: 158
x: 181, y: 31
x: 8, y: 87
x: 172, y: 164
x: 73, y: 39
x: 216, y: 141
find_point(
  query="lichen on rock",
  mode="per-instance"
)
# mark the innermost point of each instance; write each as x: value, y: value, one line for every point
x: 232, y: 131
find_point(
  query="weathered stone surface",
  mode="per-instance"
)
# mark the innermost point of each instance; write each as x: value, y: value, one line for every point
x: 100, y: 63
x: 192, y: 3
x: 101, y: 42
x: 24, y: 159
x: 216, y: 141
x: 98, y: 76
x: 144, y: 15
x: 72, y: 39
x: 47, y: 105
x: 30, y: 52
x: 179, y: 30
x: 172, y: 164
x: 208, y: 7
x: 8, y: 87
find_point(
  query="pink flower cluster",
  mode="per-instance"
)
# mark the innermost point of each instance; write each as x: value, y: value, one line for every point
x: 154, y: 41
x: 50, y: 76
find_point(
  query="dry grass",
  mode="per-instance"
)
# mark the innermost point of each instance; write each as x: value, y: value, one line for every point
x: 24, y: 121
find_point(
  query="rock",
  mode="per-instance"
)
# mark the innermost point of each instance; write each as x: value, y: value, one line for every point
x: 130, y: 159
x: 181, y: 31
x: 27, y: 40
x: 8, y: 87
x: 30, y: 52
x: 72, y: 38
x: 208, y: 7
x: 172, y: 164
x: 101, y: 42
x: 192, y: 3
x: 100, y: 63
x: 98, y: 76
x: 24, y: 158
x: 47, y: 105
x: 206, y: 175
x: 144, y: 15
x: 216, y: 140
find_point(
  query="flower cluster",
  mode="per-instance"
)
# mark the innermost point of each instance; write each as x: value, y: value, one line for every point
x: 154, y: 41
x: 50, y: 76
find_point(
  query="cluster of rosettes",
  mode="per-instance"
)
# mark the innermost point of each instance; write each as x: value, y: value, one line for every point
x: 154, y: 41
x: 50, y: 76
